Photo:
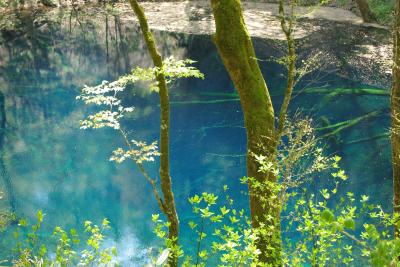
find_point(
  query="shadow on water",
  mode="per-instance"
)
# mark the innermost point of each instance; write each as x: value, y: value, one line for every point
x: 7, y: 180
x: 48, y: 163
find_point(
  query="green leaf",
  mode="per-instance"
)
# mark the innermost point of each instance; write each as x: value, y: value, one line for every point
x: 105, y: 223
x: 154, y: 217
x: 192, y: 225
x: 203, y: 254
x: 327, y: 216
x: 372, y: 231
x: 224, y: 211
x: 40, y: 216
x: 364, y: 198
x: 195, y: 199
x: 205, y: 213
x: 22, y: 222
x: 349, y: 223
x: 216, y: 218
x: 244, y: 180
x: 114, y: 251
x: 325, y: 193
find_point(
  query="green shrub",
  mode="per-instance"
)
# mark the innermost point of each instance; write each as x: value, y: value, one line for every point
x: 31, y: 250
x: 383, y: 10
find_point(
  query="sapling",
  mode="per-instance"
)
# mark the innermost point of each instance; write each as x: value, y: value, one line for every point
x: 108, y: 96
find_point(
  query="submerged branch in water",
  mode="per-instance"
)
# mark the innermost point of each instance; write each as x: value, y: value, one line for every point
x: 347, y: 124
x: 227, y: 155
x: 233, y: 97
x: 215, y: 101
x: 366, y: 139
x: 346, y: 91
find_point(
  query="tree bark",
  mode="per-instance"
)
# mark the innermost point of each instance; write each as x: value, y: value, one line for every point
x: 395, y: 106
x: 365, y: 11
x: 287, y: 28
x: 166, y: 188
x: 236, y: 50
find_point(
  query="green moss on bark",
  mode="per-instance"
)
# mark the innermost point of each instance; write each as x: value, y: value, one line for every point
x: 395, y: 106
x: 236, y: 50
x: 168, y: 205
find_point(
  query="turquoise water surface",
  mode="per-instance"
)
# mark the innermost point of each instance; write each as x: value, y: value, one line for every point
x: 49, y: 163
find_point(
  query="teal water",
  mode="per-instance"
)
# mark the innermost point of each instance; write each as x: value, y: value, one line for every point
x: 54, y: 166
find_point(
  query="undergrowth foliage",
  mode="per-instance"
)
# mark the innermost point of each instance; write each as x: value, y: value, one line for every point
x: 223, y: 233
x: 321, y: 227
x: 67, y: 249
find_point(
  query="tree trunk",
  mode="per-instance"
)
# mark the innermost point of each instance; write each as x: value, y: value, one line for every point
x: 236, y: 50
x: 365, y: 11
x: 287, y: 28
x: 166, y: 188
x: 395, y: 105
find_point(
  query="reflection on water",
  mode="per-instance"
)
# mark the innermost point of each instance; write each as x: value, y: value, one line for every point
x: 48, y: 163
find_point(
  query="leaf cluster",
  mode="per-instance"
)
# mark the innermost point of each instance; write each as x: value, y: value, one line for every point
x: 31, y: 250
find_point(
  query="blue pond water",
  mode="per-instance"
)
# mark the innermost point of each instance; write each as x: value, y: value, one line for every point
x: 65, y: 171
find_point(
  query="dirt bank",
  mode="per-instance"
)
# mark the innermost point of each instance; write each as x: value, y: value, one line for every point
x: 195, y: 17
x: 360, y: 51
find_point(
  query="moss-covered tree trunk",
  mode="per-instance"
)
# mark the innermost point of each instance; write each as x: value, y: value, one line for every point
x: 366, y: 13
x: 287, y: 26
x: 166, y: 188
x: 395, y: 106
x: 236, y: 50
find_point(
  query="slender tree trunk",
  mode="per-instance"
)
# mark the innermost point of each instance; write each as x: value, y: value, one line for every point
x: 395, y: 105
x: 365, y: 11
x: 236, y: 50
x: 287, y: 28
x: 166, y: 188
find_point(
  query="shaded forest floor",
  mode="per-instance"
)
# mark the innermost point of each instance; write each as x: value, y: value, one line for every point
x: 195, y: 17
x: 339, y: 37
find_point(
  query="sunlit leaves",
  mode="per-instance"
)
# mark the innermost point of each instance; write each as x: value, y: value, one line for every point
x: 155, y: 217
x: 40, y: 216
x: 205, y: 213
x: 192, y: 225
x: 340, y: 174
x: 233, y: 238
x: 325, y: 193
x: 107, y: 96
x: 22, y: 222
x: 104, y: 118
x: 266, y: 166
x: 224, y: 210
x: 211, y: 199
x: 370, y: 232
x: 102, y: 94
x: 139, y: 152
x: 175, y: 69
x: 171, y: 247
x: 298, y: 160
x: 364, y: 198
x: 195, y: 199
x: 33, y: 251
x: 172, y: 70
